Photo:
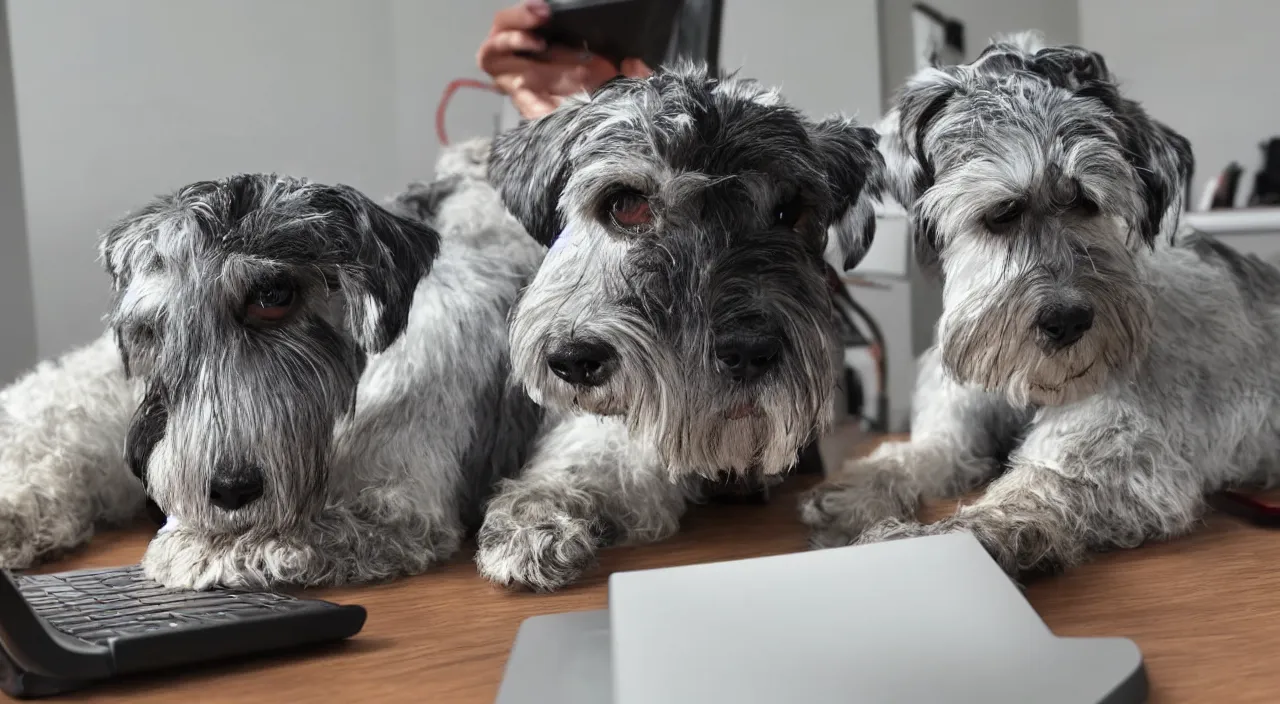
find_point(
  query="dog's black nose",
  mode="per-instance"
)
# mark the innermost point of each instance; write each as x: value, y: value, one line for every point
x: 1063, y: 325
x: 583, y: 363
x: 235, y: 488
x: 747, y: 358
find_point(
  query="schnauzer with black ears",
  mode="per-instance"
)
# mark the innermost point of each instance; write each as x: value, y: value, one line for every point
x: 682, y: 320
x: 1105, y: 368
x: 314, y: 388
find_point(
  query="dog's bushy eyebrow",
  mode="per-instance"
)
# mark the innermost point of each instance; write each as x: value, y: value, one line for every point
x: 375, y: 256
x: 1016, y: 77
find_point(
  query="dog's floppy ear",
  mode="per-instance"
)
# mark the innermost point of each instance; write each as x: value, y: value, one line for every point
x: 1164, y: 165
x: 381, y: 258
x: 1071, y: 67
x: 855, y: 174
x: 909, y: 171
x: 1161, y: 158
x: 529, y: 167
x: 126, y: 246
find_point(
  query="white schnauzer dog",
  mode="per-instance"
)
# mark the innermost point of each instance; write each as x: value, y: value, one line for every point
x: 682, y: 321
x: 1108, y: 369
x: 313, y: 388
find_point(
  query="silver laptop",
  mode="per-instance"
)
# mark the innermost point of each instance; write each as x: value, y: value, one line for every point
x: 923, y: 620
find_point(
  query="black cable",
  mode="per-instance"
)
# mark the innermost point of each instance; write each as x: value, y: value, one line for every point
x: 881, y: 423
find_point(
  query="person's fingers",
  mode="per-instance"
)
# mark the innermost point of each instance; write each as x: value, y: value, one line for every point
x: 503, y: 46
x: 584, y: 77
x: 513, y: 41
x: 635, y: 68
x: 555, y: 57
x: 507, y: 65
x: 529, y: 82
x: 567, y: 56
x: 530, y: 105
x: 509, y: 83
x: 551, y: 79
x: 526, y: 15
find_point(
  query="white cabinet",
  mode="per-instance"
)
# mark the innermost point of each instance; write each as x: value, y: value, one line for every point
x: 905, y: 304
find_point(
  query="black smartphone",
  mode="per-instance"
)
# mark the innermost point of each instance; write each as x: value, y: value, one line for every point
x: 614, y: 29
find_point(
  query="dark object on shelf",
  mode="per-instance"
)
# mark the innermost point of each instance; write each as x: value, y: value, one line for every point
x: 66, y: 631
x: 853, y: 396
x: 1224, y: 195
x: 1266, y: 184
x: 951, y: 48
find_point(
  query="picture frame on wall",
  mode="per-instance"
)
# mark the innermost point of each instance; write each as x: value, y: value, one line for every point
x: 937, y: 40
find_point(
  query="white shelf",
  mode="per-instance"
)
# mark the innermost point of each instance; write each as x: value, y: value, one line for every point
x: 1232, y: 222
x: 890, y: 251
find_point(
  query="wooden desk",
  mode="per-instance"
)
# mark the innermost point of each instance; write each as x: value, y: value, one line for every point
x: 1205, y: 611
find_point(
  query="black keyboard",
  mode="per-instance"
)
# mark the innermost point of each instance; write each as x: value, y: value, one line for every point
x: 61, y: 632
x: 98, y: 605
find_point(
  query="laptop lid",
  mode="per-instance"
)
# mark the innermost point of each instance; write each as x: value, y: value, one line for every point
x: 923, y: 620
x: 559, y: 659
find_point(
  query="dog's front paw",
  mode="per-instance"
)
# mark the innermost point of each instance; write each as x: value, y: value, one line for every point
x: 181, y: 559
x: 543, y: 553
x: 186, y: 559
x: 898, y: 529
x: 838, y: 510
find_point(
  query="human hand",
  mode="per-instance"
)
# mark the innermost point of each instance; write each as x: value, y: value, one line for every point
x: 536, y: 86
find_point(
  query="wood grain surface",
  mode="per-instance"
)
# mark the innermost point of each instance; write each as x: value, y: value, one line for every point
x: 1205, y: 610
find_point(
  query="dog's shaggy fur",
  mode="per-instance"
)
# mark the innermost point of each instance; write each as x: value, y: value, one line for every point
x: 312, y: 387
x: 684, y: 303
x: 1108, y: 369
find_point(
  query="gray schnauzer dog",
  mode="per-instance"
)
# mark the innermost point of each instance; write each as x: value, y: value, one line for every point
x: 1107, y: 368
x: 681, y: 321
x: 312, y: 387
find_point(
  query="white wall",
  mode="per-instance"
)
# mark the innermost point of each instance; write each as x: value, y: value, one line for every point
x: 823, y: 54
x: 17, y: 320
x: 124, y: 99
x: 1207, y: 68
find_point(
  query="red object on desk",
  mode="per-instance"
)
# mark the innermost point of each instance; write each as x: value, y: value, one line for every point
x: 1246, y: 507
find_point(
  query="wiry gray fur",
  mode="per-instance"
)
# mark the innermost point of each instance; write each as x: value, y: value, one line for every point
x: 747, y: 197
x: 1103, y: 443
x: 373, y: 419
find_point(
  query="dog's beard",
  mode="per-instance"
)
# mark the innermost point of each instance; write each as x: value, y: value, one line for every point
x: 181, y: 470
x: 740, y: 433
x: 988, y: 337
x: 999, y: 352
x: 680, y: 404
x: 286, y: 433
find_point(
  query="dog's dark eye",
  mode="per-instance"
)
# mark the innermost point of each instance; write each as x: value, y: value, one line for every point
x: 630, y: 211
x: 1004, y: 215
x: 144, y: 333
x: 788, y: 212
x: 271, y: 302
